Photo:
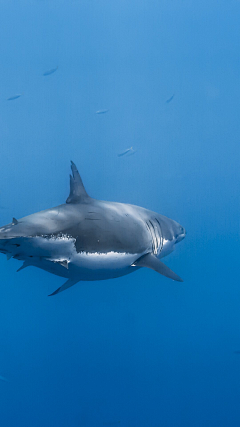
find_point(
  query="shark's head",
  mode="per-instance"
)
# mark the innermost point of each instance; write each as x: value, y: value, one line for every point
x: 171, y: 230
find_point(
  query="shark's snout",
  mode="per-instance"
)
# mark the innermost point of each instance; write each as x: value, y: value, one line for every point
x: 181, y: 235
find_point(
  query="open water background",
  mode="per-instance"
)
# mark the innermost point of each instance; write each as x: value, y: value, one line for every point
x: 142, y: 350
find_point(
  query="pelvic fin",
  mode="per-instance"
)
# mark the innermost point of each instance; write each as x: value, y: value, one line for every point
x: 65, y: 286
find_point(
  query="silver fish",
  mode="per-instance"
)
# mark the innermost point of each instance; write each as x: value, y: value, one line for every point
x: 47, y: 73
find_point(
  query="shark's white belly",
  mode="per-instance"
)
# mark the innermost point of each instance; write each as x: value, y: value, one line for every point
x: 58, y: 255
x: 103, y: 261
x: 97, y: 266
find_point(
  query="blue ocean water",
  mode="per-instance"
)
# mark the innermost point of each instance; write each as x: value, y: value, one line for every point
x: 141, y: 350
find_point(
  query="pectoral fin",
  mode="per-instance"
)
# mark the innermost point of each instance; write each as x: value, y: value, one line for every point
x: 63, y: 263
x: 25, y: 264
x: 66, y: 285
x: 150, y: 261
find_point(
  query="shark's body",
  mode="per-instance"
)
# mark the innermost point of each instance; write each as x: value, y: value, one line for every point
x: 89, y: 239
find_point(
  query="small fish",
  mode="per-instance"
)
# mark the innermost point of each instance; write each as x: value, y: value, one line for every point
x: 11, y: 98
x: 47, y: 73
x: 129, y: 151
x: 170, y: 99
x: 101, y: 111
x: 3, y: 379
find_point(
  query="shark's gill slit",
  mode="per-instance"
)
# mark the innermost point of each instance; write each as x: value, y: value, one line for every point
x: 156, y: 238
x: 160, y: 235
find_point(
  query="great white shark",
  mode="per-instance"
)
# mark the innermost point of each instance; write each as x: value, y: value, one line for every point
x: 89, y: 239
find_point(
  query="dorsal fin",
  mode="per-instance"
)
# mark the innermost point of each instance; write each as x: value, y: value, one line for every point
x: 14, y: 221
x: 77, y: 191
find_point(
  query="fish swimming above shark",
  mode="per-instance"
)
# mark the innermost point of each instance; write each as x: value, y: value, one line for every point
x: 170, y: 99
x: 87, y: 239
x: 49, y: 72
x: 128, y: 151
x: 12, y: 98
x: 101, y: 111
